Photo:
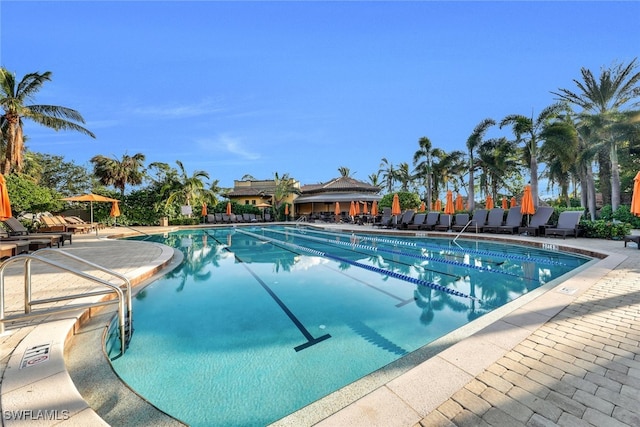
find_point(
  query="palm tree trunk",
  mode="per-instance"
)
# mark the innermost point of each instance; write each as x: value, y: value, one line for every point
x: 534, y: 179
x: 471, y: 202
x: 615, y: 177
x: 591, y: 192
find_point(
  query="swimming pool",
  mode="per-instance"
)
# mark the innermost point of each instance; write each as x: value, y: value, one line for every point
x: 258, y: 322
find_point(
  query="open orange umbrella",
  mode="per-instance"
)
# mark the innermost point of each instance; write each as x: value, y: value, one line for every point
x: 204, y: 210
x: 505, y: 204
x: 489, y: 201
x: 438, y: 205
x: 635, y: 199
x: 5, y: 204
x: 459, y: 202
x: 514, y: 202
x: 448, y: 206
x: 228, y: 208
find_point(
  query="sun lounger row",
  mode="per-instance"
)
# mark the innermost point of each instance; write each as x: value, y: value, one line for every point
x: 71, y: 224
x: 223, y: 218
x: 16, y: 239
x: 486, y: 221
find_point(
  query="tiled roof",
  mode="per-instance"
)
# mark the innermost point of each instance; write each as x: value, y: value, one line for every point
x: 248, y: 191
x: 341, y: 184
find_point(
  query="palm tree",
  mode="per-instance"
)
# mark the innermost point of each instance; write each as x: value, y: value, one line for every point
x: 187, y: 190
x: 423, y: 163
x: 498, y: 162
x: 13, y: 96
x: 527, y: 131
x: 616, y: 88
x: 284, y: 187
x: 119, y: 173
x: 374, y: 179
x: 388, y: 174
x: 473, y: 143
x: 344, y: 171
x: 404, y: 176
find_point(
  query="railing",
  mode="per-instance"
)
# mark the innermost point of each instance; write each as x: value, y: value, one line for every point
x: 463, y: 229
x: 125, y: 320
x: 302, y: 218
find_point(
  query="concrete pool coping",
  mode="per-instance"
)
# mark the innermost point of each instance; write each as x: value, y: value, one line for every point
x: 402, y: 400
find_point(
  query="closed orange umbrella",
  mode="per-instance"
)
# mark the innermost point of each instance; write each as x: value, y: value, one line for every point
x: 489, y: 201
x: 505, y: 204
x: 422, y: 207
x: 514, y: 202
x: 448, y: 206
x: 228, y: 208
x: 459, y: 202
x: 286, y: 209
x: 365, y: 209
x: 5, y: 204
x: 115, y: 210
x: 527, y: 207
x: 374, y: 208
x: 395, y: 206
x: 352, y: 209
x: 336, y: 211
x: 438, y: 205
x: 357, y: 207
x: 204, y: 210
x: 635, y: 199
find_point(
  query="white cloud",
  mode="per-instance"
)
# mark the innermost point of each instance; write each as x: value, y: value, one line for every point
x: 226, y: 143
x: 178, y: 111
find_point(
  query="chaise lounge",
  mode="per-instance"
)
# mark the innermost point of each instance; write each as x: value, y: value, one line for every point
x: 567, y: 225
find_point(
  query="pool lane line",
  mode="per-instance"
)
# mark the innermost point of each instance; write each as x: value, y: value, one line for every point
x: 382, y: 271
x: 397, y: 242
x: 311, y: 340
x: 396, y: 252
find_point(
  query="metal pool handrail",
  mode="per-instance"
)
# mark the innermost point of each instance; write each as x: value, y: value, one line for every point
x: 125, y: 321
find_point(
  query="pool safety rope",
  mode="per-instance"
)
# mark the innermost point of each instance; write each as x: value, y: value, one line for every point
x: 397, y: 242
x: 395, y: 252
x: 393, y: 274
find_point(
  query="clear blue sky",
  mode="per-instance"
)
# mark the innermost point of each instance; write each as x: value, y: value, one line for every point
x: 237, y: 88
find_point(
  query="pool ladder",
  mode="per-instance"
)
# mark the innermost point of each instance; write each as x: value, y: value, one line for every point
x: 122, y: 293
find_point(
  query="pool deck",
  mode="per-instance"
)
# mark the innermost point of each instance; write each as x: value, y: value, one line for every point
x: 568, y: 356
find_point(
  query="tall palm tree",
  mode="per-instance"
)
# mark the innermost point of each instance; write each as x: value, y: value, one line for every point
x: 473, y: 143
x: 374, y: 179
x: 498, y: 163
x: 616, y: 88
x: 388, y: 174
x: 13, y: 96
x: 527, y: 131
x: 119, y: 173
x: 403, y: 175
x: 423, y: 163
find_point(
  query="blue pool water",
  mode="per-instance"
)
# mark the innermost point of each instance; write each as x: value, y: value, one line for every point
x: 258, y: 322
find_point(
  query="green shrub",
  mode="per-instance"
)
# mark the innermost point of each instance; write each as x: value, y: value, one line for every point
x: 602, y: 229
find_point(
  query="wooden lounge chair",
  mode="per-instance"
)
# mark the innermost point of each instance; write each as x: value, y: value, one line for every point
x: 538, y: 219
x: 418, y: 220
x: 15, y: 230
x: 567, y: 225
x: 494, y: 220
x: 444, y: 223
x: 54, y: 224
x: 513, y: 221
x: 9, y: 249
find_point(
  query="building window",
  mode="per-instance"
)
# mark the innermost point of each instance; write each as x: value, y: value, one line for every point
x: 246, y: 202
x: 253, y: 202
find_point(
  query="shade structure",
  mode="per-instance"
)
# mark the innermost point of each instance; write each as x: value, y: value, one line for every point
x: 374, y: 208
x: 448, y: 206
x: 505, y: 204
x: 203, y: 212
x: 459, y: 202
x: 90, y: 197
x: 422, y: 207
x: 514, y: 202
x: 635, y: 199
x: 228, y: 208
x: 489, y: 203
x: 438, y: 206
x: 5, y: 204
